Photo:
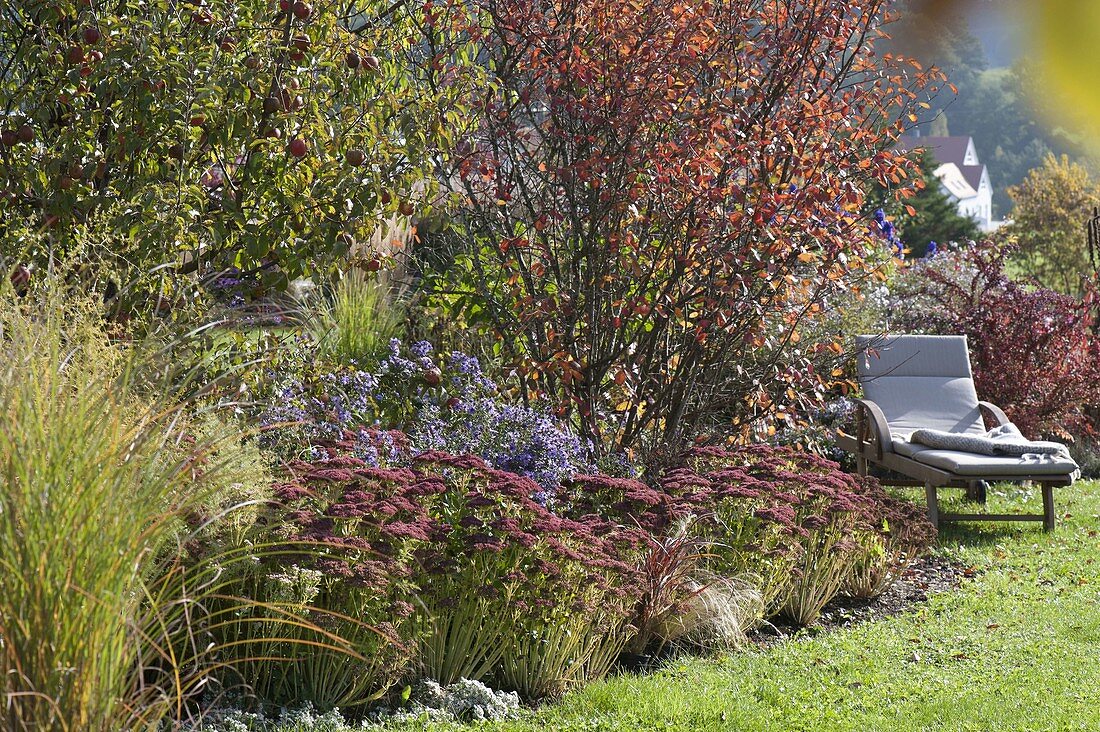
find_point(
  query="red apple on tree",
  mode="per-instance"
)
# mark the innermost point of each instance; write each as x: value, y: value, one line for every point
x: 298, y: 147
x: 25, y: 133
x: 352, y: 60
x: 20, y: 277
x: 91, y: 35
x: 302, y: 10
x: 75, y: 55
x: 371, y: 63
x: 355, y: 157
x: 273, y: 105
x: 406, y: 208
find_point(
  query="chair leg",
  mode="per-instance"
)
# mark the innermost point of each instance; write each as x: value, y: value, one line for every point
x: 1048, y: 507
x: 933, y: 505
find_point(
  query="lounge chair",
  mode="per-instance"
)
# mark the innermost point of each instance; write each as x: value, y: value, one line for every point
x: 912, y: 382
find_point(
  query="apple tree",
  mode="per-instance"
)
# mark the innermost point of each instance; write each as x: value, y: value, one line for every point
x: 196, y: 135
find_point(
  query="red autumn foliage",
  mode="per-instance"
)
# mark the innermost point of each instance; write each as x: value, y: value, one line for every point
x: 1033, y: 351
x: 663, y: 191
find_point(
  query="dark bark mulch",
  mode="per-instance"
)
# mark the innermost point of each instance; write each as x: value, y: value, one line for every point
x: 927, y: 576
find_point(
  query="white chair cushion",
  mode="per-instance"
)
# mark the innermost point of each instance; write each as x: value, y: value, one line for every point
x: 966, y: 463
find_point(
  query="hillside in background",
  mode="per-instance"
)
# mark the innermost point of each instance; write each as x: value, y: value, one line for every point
x: 981, y: 53
x: 997, y: 26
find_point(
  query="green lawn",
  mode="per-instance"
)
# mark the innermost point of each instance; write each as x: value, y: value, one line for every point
x: 1016, y: 648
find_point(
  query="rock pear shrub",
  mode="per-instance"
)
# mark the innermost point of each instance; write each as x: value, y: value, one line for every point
x: 646, y: 233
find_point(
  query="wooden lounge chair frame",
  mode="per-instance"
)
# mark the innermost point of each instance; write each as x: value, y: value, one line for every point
x: 898, y: 370
x: 873, y: 445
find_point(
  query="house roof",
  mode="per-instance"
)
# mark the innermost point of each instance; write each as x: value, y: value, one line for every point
x: 944, y: 149
x: 952, y: 178
x: 973, y: 174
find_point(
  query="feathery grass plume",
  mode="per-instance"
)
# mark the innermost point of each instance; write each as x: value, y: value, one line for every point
x: 90, y: 480
x: 715, y: 614
x: 357, y: 320
x: 100, y: 483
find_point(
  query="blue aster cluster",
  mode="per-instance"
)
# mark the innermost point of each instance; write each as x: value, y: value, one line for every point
x: 299, y: 414
x: 515, y: 438
x: 475, y: 421
x: 451, y: 406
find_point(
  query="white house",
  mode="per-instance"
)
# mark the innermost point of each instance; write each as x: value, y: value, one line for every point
x: 962, y: 175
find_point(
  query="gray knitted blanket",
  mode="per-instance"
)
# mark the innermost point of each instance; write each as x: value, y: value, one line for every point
x: 1006, y: 441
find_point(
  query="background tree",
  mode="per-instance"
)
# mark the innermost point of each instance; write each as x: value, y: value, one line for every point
x: 1052, y: 206
x: 663, y: 192
x: 936, y: 218
x: 206, y: 136
x: 994, y: 105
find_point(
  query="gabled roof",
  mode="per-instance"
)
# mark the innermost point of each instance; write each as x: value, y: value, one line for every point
x: 952, y: 178
x: 944, y: 149
x: 973, y: 174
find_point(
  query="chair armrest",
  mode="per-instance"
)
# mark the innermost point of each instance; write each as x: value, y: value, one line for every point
x: 873, y: 429
x: 995, y: 412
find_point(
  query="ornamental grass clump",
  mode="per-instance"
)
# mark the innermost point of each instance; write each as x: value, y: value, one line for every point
x: 96, y: 476
x: 356, y: 322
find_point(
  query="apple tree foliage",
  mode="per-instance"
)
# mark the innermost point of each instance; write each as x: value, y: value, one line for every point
x: 196, y: 135
x: 663, y: 193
